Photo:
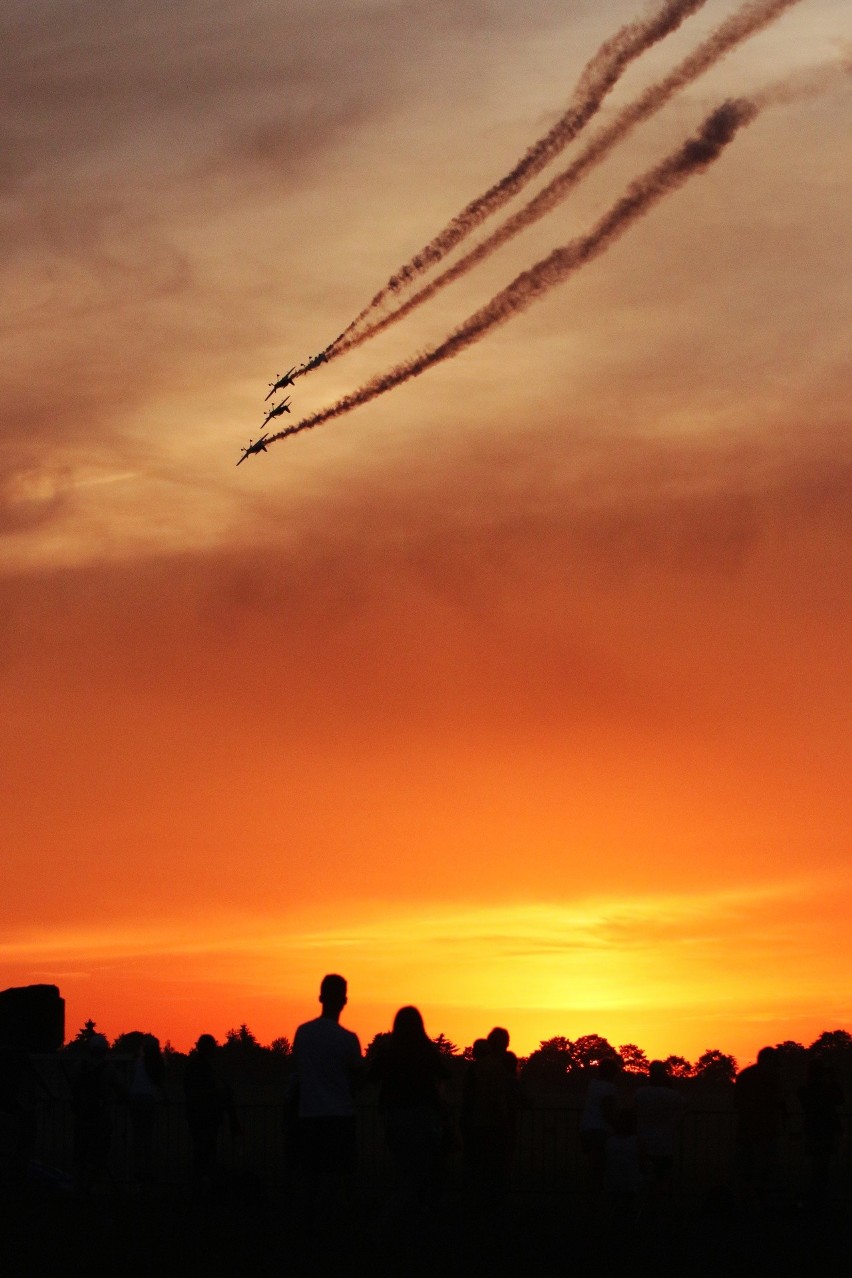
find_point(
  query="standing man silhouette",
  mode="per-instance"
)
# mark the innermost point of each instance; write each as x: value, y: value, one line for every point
x: 327, y: 1061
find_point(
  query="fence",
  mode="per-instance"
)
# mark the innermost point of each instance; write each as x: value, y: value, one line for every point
x: 547, y: 1159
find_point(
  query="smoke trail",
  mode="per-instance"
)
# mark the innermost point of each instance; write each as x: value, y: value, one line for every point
x: 744, y: 23
x: 596, y: 80
x: 806, y: 83
x: 692, y: 157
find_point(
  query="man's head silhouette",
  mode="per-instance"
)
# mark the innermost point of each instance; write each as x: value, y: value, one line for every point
x: 332, y: 995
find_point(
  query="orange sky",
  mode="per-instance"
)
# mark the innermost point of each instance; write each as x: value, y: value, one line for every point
x: 522, y: 693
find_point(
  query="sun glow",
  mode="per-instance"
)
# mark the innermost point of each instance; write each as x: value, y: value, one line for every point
x: 660, y: 963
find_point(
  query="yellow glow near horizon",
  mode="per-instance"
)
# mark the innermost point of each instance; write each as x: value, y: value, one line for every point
x: 646, y: 960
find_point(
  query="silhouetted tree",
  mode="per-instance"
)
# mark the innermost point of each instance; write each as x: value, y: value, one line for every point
x: 635, y: 1060
x: 678, y: 1067
x: 551, y: 1063
x: 563, y: 1046
x: 87, y: 1030
x: 714, y: 1066
x: 590, y: 1049
x: 128, y: 1044
x: 834, y: 1046
x: 242, y: 1040
x: 376, y: 1043
x: 281, y: 1047
x: 170, y: 1053
x: 244, y: 1062
x: 444, y: 1046
x: 790, y: 1048
x: 791, y: 1059
x: 791, y: 1055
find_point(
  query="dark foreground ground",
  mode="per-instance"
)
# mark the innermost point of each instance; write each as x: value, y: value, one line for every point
x: 251, y: 1227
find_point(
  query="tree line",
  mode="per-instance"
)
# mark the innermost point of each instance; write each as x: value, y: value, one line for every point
x: 555, y: 1062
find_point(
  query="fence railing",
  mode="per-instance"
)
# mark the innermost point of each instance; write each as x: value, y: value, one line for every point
x: 547, y: 1152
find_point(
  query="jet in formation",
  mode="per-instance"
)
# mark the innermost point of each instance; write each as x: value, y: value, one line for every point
x: 276, y: 410
x: 259, y: 446
x: 322, y: 358
x: 287, y: 380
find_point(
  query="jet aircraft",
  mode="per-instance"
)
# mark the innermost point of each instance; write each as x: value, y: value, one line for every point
x: 322, y: 358
x: 276, y: 410
x: 287, y: 380
x: 259, y: 446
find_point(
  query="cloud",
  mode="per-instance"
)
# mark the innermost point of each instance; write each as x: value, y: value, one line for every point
x: 176, y: 76
x: 692, y: 954
x: 141, y: 149
x: 183, y: 166
x: 604, y: 660
x: 444, y: 932
x: 30, y: 500
x: 536, y: 537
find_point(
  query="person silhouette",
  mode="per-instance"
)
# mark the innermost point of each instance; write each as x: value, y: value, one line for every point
x: 95, y: 1085
x: 821, y: 1097
x: 146, y: 1094
x: 623, y: 1165
x: 597, y: 1119
x: 208, y: 1100
x: 759, y: 1104
x: 327, y: 1064
x: 659, y: 1110
x: 469, y: 1130
x: 491, y: 1112
x: 411, y: 1075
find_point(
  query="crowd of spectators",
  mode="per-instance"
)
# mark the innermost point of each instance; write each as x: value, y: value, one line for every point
x: 435, y: 1116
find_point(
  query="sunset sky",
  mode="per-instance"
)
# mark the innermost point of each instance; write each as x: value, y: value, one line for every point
x: 521, y: 693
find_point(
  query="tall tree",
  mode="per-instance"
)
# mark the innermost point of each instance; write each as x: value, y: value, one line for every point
x: 591, y: 1049
x: 128, y: 1044
x: 678, y: 1067
x: 836, y: 1044
x: 242, y: 1040
x: 635, y: 1060
x: 714, y: 1066
x: 790, y: 1052
x: 86, y: 1031
x: 551, y: 1062
x: 376, y: 1043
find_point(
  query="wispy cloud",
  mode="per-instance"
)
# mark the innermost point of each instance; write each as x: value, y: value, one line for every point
x: 679, y: 971
x: 584, y: 939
